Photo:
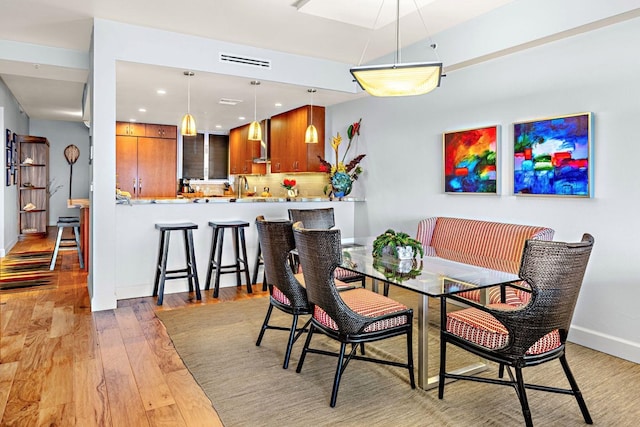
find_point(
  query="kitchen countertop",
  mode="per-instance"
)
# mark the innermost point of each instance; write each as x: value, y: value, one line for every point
x: 182, y: 200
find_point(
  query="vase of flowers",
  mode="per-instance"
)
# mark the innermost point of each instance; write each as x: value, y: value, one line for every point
x: 290, y: 185
x: 341, y: 175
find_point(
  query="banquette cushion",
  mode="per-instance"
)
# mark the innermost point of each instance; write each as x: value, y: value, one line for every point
x: 487, y: 244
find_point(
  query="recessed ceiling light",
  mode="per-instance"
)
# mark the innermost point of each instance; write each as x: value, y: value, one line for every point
x: 241, y: 118
x: 142, y: 110
x: 218, y: 126
x: 278, y: 104
x: 133, y: 120
x: 161, y: 92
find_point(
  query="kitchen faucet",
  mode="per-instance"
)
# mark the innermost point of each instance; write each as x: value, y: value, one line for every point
x: 246, y: 185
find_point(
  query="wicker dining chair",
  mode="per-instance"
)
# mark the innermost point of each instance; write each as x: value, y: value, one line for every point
x: 521, y: 336
x: 286, y: 292
x: 354, y: 316
x: 323, y: 218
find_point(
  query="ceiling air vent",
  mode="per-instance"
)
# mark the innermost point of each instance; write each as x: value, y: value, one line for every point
x: 245, y: 60
x: 229, y: 101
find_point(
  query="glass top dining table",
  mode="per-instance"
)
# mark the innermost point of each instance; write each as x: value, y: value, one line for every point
x: 430, y: 276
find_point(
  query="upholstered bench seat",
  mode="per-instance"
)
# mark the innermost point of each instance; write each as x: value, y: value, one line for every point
x: 368, y: 304
x: 488, y: 244
x: 483, y: 329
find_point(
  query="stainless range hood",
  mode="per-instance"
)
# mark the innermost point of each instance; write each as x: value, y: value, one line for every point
x: 264, y: 144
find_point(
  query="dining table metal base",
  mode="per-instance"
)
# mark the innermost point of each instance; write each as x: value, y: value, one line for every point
x: 426, y: 381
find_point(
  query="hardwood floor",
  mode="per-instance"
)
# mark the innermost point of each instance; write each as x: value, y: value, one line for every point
x: 62, y: 365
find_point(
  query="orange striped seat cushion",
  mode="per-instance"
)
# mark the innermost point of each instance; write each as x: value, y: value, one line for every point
x: 282, y: 298
x: 279, y: 296
x: 368, y: 304
x: 483, y: 329
x: 341, y: 273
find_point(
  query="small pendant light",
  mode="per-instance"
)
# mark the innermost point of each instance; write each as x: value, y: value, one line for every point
x: 311, y: 134
x: 255, y: 131
x: 188, y: 127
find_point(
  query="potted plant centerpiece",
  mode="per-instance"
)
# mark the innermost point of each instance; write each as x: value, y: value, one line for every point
x: 399, y: 245
x: 396, y: 253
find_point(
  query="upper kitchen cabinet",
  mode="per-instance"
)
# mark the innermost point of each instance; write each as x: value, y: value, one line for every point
x: 130, y: 129
x: 242, y: 152
x: 146, y: 165
x: 161, y: 131
x: 289, y: 152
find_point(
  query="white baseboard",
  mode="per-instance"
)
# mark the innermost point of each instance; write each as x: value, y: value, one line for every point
x: 609, y: 344
x: 4, y: 251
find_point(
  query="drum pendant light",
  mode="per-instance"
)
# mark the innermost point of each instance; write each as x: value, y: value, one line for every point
x: 255, y: 131
x: 311, y: 134
x: 399, y: 79
x: 188, y: 127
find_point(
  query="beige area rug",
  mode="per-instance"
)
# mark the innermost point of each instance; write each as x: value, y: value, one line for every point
x: 248, y: 386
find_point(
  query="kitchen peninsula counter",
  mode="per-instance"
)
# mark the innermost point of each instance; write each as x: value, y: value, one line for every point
x: 137, y: 239
x: 183, y: 200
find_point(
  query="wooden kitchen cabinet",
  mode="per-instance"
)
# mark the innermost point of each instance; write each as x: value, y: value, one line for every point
x: 289, y: 152
x: 33, y: 182
x: 161, y: 131
x: 130, y: 129
x: 146, y: 166
x: 242, y: 152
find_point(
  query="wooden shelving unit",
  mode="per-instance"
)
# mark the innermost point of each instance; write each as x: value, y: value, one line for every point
x: 33, y: 182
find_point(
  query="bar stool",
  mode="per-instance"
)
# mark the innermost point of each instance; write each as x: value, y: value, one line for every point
x: 190, y: 271
x: 215, y: 258
x: 256, y: 266
x: 67, y: 222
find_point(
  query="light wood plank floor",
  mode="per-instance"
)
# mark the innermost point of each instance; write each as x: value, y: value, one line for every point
x: 62, y: 365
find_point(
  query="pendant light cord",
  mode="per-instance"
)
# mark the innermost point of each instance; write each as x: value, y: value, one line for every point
x: 189, y: 95
x: 398, y: 55
x: 255, y: 101
x: 424, y: 25
x: 370, y: 32
x: 312, y: 90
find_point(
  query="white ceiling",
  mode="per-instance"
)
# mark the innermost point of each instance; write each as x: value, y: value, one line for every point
x: 327, y: 29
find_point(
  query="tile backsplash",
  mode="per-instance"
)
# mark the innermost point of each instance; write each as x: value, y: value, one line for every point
x: 307, y: 184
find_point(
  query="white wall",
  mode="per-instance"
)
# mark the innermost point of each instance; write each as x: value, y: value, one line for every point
x: 13, y: 118
x: 593, y: 72
x: 61, y: 134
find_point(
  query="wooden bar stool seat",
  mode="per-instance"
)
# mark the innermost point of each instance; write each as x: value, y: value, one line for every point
x: 190, y: 272
x: 240, y: 264
x: 67, y: 222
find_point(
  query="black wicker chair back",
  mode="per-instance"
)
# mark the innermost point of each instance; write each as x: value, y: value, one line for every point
x: 314, y: 218
x: 554, y: 271
x: 286, y: 292
x: 277, y: 242
x: 536, y: 332
x: 354, y: 316
x: 320, y: 252
x: 324, y: 219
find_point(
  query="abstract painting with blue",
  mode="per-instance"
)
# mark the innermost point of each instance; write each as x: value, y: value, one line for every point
x: 552, y: 156
x: 470, y: 158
